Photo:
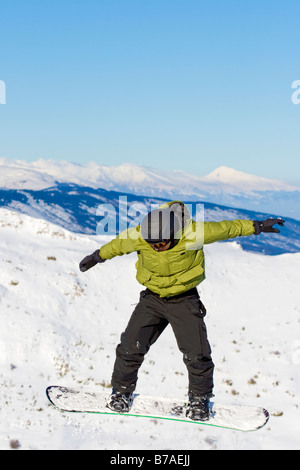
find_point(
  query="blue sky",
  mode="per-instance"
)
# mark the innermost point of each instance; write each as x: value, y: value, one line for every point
x: 180, y: 84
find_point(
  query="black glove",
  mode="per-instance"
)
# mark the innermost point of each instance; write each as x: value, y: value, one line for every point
x: 90, y: 261
x: 267, y: 226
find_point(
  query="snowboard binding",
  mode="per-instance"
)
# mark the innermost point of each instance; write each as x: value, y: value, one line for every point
x: 120, y: 402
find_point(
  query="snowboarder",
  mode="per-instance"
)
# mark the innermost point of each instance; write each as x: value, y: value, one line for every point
x: 169, y: 245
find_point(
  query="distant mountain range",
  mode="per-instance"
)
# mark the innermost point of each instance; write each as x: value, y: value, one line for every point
x: 69, y: 195
x: 224, y: 186
x: 76, y: 208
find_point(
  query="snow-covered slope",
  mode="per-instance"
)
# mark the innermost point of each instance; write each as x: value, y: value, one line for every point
x: 225, y: 185
x: 60, y: 326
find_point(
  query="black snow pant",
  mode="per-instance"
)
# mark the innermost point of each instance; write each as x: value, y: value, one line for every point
x: 152, y: 314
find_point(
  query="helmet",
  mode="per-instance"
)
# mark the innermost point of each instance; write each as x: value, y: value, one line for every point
x: 161, y: 225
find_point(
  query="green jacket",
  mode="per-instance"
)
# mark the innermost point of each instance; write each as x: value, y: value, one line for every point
x: 182, y: 267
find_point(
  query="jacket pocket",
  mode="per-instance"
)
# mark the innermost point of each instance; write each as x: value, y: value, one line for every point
x: 143, y: 275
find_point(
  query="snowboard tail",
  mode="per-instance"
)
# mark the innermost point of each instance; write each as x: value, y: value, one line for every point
x: 235, y: 417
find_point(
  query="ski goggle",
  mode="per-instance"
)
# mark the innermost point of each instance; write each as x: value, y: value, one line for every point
x: 159, y: 245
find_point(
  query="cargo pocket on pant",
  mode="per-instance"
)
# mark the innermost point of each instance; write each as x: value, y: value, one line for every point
x: 198, y: 308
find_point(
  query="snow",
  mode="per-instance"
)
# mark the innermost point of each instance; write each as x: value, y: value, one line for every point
x: 60, y: 327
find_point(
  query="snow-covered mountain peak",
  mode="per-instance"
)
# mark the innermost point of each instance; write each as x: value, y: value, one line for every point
x: 125, y: 173
x: 227, y: 174
x: 230, y: 176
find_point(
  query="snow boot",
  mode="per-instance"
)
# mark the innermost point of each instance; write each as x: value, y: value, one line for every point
x: 198, y: 407
x: 120, y: 402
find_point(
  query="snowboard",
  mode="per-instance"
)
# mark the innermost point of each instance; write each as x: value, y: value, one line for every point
x: 235, y: 417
